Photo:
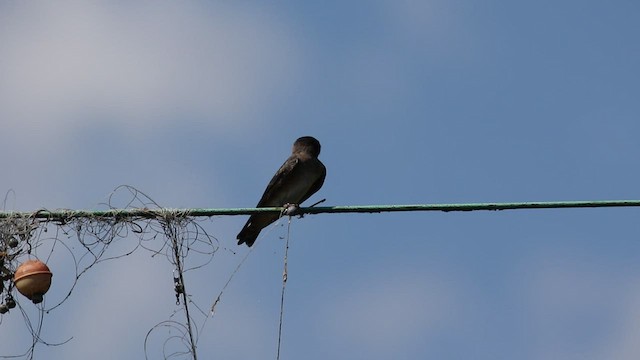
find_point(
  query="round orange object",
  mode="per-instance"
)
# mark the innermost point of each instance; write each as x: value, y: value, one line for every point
x: 33, y: 279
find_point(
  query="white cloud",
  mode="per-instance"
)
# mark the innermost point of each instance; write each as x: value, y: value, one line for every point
x: 391, y: 312
x: 80, y: 69
x: 623, y: 344
x: 419, y: 18
x: 580, y: 309
x: 126, y: 296
x: 69, y: 64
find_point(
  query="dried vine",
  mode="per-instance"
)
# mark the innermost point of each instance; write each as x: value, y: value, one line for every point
x: 89, y: 241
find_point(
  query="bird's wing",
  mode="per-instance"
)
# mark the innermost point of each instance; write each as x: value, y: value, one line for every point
x: 276, y: 182
x: 317, y: 184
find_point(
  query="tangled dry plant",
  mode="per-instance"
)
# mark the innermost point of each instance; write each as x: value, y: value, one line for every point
x: 91, y: 240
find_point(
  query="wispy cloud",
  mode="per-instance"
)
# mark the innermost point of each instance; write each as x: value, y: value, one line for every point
x: 68, y: 64
x: 391, y: 313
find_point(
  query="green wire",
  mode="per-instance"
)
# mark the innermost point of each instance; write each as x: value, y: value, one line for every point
x: 62, y: 215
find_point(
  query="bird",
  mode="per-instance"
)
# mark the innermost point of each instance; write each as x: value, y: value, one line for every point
x: 301, y: 176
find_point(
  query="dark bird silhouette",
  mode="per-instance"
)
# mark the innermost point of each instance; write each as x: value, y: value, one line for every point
x: 296, y: 180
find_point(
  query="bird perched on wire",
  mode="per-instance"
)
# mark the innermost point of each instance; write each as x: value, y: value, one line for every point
x: 298, y: 178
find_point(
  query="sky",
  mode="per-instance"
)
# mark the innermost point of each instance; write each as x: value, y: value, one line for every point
x: 197, y: 104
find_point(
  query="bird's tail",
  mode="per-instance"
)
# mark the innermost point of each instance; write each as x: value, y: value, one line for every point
x: 248, y: 235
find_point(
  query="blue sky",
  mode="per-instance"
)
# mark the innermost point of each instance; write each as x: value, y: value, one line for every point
x: 197, y: 105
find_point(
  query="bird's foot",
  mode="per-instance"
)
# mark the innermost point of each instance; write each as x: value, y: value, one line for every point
x: 291, y: 210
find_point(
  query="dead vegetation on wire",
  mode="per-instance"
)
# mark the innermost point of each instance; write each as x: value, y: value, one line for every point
x: 86, y: 242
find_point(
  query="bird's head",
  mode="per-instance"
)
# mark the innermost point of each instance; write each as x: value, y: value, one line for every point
x: 308, y: 145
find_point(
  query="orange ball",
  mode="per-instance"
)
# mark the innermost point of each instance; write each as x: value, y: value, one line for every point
x: 33, y: 279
